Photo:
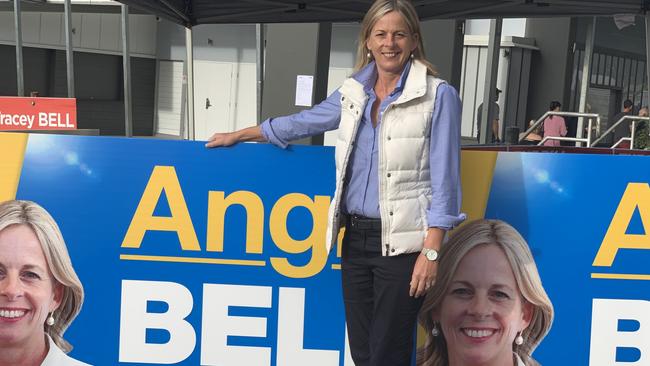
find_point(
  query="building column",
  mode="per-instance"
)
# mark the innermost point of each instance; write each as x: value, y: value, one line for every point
x: 491, y: 74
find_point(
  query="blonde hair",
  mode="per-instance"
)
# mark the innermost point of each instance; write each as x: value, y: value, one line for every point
x: 380, y: 8
x: 466, y: 238
x: 58, y: 261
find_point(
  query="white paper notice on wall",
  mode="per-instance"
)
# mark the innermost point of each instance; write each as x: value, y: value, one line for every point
x: 304, y: 88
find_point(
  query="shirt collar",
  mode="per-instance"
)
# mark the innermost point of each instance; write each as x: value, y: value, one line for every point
x: 368, y: 75
x: 402, y: 79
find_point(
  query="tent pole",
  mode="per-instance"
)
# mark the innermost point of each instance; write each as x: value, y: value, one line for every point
x: 69, y: 51
x: 259, y: 33
x: 586, y: 75
x: 647, y: 57
x: 189, y: 43
x: 457, y: 53
x: 20, y: 80
x: 126, y: 68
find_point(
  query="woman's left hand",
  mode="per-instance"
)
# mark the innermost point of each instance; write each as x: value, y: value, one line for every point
x: 424, y: 275
x: 424, y: 271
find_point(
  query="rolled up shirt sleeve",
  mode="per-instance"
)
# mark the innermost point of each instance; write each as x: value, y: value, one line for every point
x: 322, y: 117
x: 444, y: 160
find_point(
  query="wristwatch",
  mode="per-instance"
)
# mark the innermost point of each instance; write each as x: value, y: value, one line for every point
x: 430, y: 254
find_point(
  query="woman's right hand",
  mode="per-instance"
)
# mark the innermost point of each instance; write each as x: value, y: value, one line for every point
x: 222, y: 139
x: 230, y: 138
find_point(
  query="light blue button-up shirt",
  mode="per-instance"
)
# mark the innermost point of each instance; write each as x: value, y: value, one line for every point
x: 361, y: 194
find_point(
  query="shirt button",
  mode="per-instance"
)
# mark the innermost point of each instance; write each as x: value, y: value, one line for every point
x: 391, y: 213
x: 388, y: 175
x: 342, y: 98
x: 392, y: 250
x: 388, y: 138
x: 351, y: 106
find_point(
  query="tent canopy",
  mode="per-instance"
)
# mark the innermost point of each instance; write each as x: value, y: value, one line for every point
x: 194, y: 12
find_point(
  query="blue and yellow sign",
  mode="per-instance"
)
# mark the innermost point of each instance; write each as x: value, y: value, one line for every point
x: 216, y: 257
x: 586, y: 218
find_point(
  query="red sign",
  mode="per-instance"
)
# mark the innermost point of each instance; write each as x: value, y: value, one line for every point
x: 18, y: 113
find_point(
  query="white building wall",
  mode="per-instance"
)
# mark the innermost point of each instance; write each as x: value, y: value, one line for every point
x: 220, y: 44
x: 236, y: 44
x: 233, y: 45
x: 92, y: 32
x: 472, y: 84
x: 510, y: 27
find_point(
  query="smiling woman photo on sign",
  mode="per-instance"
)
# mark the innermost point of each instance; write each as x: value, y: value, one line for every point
x: 40, y: 293
x: 397, y: 178
x: 488, y: 306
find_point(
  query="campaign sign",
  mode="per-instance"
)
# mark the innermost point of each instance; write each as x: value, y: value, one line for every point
x: 586, y: 219
x: 19, y: 113
x: 217, y: 257
x: 194, y: 256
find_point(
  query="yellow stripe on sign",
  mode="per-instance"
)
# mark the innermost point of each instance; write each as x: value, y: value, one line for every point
x: 160, y: 258
x: 12, y: 154
x: 476, y: 171
x: 621, y: 276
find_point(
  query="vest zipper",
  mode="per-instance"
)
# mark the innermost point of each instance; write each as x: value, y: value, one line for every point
x: 385, y: 232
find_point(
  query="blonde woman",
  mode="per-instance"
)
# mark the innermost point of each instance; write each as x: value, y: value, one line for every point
x: 397, y: 178
x: 488, y: 306
x: 40, y: 293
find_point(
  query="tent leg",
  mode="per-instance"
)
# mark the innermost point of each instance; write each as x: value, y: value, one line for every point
x: 647, y: 56
x: 20, y: 80
x: 190, y: 83
x: 126, y: 62
x: 259, y: 33
x: 586, y: 74
x: 69, y: 51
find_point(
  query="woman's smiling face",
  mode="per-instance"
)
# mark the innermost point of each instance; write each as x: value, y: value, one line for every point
x: 391, y: 43
x: 483, y: 310
x: 28, y: 291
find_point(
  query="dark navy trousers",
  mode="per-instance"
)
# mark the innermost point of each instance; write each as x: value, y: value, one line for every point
x: 380, y: 314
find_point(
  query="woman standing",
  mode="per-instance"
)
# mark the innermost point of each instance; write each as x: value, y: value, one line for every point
x: 554, y: 126
x: 397, y: 178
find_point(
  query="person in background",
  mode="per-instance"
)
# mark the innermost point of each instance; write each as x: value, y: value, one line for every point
x: 397, y: 178
x: 554, y: 126
x: 623, y: 129
x: 488, y: 306
x: 495, y: 120
x: 534, y: 137
x: 641, y: 131
x: 40, y: 293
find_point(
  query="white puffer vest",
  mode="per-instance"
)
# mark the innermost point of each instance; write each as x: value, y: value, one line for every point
x: 404, y: 141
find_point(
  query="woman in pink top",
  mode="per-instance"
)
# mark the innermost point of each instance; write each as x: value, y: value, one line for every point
x: 554, y: 125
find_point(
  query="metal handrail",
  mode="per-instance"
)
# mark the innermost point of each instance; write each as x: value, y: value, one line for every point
x: 560, y: 138
x: 589, y: 116
x: 587, y: 140
x: 613, y: 127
